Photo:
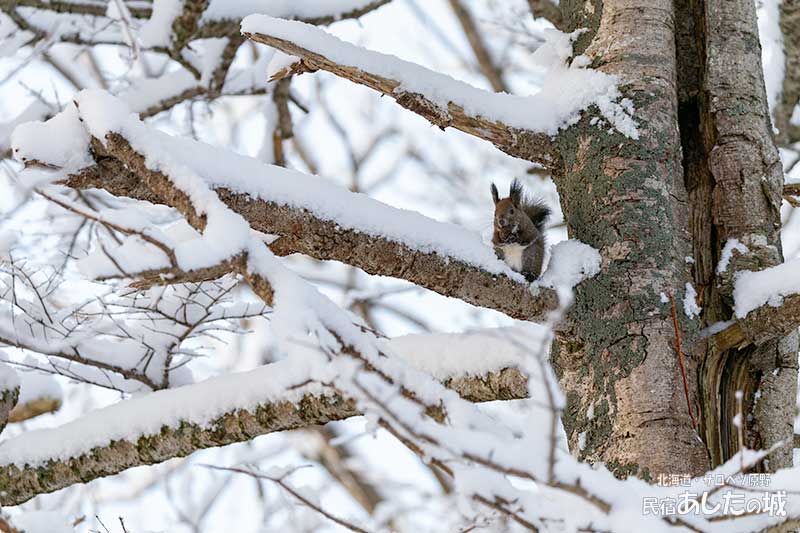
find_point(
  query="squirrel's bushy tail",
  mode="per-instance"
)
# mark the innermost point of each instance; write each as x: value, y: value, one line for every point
x: 536, y: 211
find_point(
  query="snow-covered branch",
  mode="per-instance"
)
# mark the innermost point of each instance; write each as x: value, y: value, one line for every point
x: 313, y: 217
x: 520, y: 126
x: 220, y: 411
x: 767, y: 305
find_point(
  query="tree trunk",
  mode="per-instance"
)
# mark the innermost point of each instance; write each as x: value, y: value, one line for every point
x: 704, y: 170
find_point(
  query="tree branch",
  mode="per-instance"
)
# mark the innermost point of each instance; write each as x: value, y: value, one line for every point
x: 336, y: 461
x: 761, y: 325
x: 119, y: 171
x: 485, y: 61
x: 73, y: 8
x: 33, y: 408
x: 182, y: 435
x: 525, y: 144
x: 548, y: 10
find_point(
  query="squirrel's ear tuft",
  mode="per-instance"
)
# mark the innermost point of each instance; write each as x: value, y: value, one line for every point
x: 495, y: 194
x: 515, y: 192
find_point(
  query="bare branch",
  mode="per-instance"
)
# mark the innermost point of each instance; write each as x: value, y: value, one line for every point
x: 485, y: 61
x: 33, y: 408
x: 335, y: 460
x: 288, y: 488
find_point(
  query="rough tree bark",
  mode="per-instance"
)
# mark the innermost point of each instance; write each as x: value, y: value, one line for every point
x: 704, y: 170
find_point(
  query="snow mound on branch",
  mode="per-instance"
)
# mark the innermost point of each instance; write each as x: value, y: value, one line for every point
x: 157, y: 31
x: 566, y: 91
x: 469, y: 354
x: 36, y: 111
x: 60, y: 141
x: 571, y: 262
x: 768, y: 286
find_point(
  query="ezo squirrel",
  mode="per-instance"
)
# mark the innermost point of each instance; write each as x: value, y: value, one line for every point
x: 518, y: 236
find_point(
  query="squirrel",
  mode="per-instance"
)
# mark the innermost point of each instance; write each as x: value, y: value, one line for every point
x: 518, y: 236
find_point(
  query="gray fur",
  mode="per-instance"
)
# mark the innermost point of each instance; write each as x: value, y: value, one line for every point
x: 520, y: 220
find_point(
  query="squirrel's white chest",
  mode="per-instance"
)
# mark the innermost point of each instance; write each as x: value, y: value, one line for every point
x: 512, y: 254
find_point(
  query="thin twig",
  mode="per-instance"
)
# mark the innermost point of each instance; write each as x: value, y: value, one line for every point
x: 680, y: 359
x: 285, y: 486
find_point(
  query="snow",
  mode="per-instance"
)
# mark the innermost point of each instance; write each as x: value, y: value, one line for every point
x: 84, y: 28
x: 571, y: 262
x: 157, y: 31
x: 664, y: 298
x: 566, y: 91
x: 36, y: 386
x: 226, y: 233
x: 301, y: 9
x: 768, y: 286
x: 727, y: 253
x: 33, y: 141
x: 690, y: 307
x: 9, y: 379
x: 251, y: 78
x: 150, y: 335
x: 148, y: 92
x: 467, y: 354
x: 8, y: 239
x: 36, y: 111
x: 205, y: 55
x: 582, y: 440
x: 12, y: 38
x: 134, y: 253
